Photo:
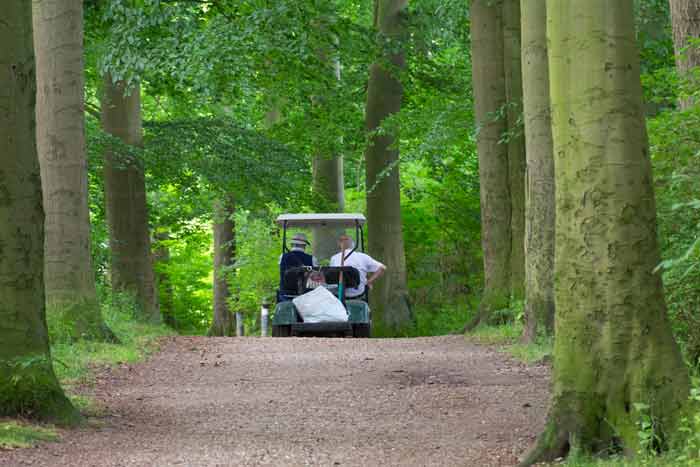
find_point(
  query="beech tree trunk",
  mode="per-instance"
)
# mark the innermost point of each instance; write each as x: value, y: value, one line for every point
x: 28, y: 385
x: 223, y: 323
x: 516, y: 144
x: 125, y: 199
x: 539, y: 211
x: 488, y: 76
x: 685, y: 16
x: 69, y: 280
x: 329, y: 196
x: 614, y: 348
x: 391, y: 308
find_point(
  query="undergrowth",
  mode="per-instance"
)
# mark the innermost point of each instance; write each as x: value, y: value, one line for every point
x: 438, y: 320
x: 508, y: 337
x: 14, y: 434
x: 73, y: 360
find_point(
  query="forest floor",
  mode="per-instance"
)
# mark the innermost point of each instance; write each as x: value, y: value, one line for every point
x: 332, y: 402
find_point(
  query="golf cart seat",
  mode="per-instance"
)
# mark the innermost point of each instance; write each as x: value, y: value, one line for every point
x: 294, y: 280
x: 351, y: 276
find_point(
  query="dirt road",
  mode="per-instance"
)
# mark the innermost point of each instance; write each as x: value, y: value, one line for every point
x: 327, y: 402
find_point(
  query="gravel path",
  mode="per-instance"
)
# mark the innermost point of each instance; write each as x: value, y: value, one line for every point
x: 347, y: 402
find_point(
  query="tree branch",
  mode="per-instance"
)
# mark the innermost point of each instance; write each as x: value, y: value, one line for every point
x: 93, y: 110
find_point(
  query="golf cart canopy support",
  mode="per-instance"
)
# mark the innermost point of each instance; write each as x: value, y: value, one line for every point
x: 340, y: 220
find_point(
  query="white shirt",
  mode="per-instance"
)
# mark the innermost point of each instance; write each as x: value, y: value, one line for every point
x: 363, y: 263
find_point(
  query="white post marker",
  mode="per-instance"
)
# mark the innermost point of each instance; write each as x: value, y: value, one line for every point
x: 264, y: 318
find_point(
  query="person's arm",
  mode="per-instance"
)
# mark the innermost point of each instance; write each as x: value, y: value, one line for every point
x: 379, y: 272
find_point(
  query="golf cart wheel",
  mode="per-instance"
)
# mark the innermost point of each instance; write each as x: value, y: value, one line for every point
x: 282, y: 330
x: 361, y: 330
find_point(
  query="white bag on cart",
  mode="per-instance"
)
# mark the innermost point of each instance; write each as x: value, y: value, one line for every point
x: 320, y: 306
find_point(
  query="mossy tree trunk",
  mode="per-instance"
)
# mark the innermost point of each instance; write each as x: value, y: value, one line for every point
x: 614, y: 348
x: 539, y: 212
x: 71, y: 297
x: 28, y: 385
x: 223, y: 323
x: 391, y: 308
x: 516, y: 144
x: 685, y: 16
x: 125, y: 200
x: 488, y: 76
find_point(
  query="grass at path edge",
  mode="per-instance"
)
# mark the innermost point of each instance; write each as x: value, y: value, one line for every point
x: 507, y: 337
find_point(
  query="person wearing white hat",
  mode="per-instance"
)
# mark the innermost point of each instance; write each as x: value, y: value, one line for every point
x: 295, y: 257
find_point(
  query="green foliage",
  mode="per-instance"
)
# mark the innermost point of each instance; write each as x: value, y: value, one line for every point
x: 137, y: 339
x: 28, y: 388
x: 19, y: 435
x: 437, y: 320
x: 255, y: 273
x: 688, y: 452
x: 190, y: 277
x: 685, y: 448
x: 675, y: 148
x: 647, y: 430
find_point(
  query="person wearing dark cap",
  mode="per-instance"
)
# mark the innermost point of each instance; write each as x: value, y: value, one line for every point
x: 294, y: 258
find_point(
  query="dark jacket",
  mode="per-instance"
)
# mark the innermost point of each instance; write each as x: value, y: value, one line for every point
x: 293, y: 259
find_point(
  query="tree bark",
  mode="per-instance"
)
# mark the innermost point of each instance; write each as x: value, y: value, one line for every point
x: 685, y: 17
x: 391, y: 308
x: 488, y: 76
x: 329, y: 196
x: 28, y: 385
x: 125, y: 199
x: 516, y: 144
x: 71, y: 296
x: 614, y: 348
x: 539, y: 211
x: 223, y: 323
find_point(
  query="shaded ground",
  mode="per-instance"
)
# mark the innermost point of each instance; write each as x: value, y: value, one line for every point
x: 349, y: 402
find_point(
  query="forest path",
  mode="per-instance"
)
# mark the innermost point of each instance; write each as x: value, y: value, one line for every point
x: 348, y: 402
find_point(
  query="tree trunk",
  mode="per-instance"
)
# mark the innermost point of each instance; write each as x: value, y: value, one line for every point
x: 328, y: 186
x: 539, y: 212
x: 223, y: 323
x: 164, y: 286
x: 329, y: 196
x: 685, y: 16
x: 390, y: 303
x: 488, y: 76
x: 28, y: 385
x: 71, y: 296
x: 516, y: 144
x: 614, y: 348
x: 125, y: 199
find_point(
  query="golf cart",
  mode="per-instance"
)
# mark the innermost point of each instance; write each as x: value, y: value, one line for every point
x: 286, y: 320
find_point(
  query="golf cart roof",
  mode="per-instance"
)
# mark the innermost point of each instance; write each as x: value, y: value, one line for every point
x: 313, y: 220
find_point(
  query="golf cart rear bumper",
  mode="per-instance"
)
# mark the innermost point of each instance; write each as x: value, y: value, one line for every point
x: 322, y: 328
